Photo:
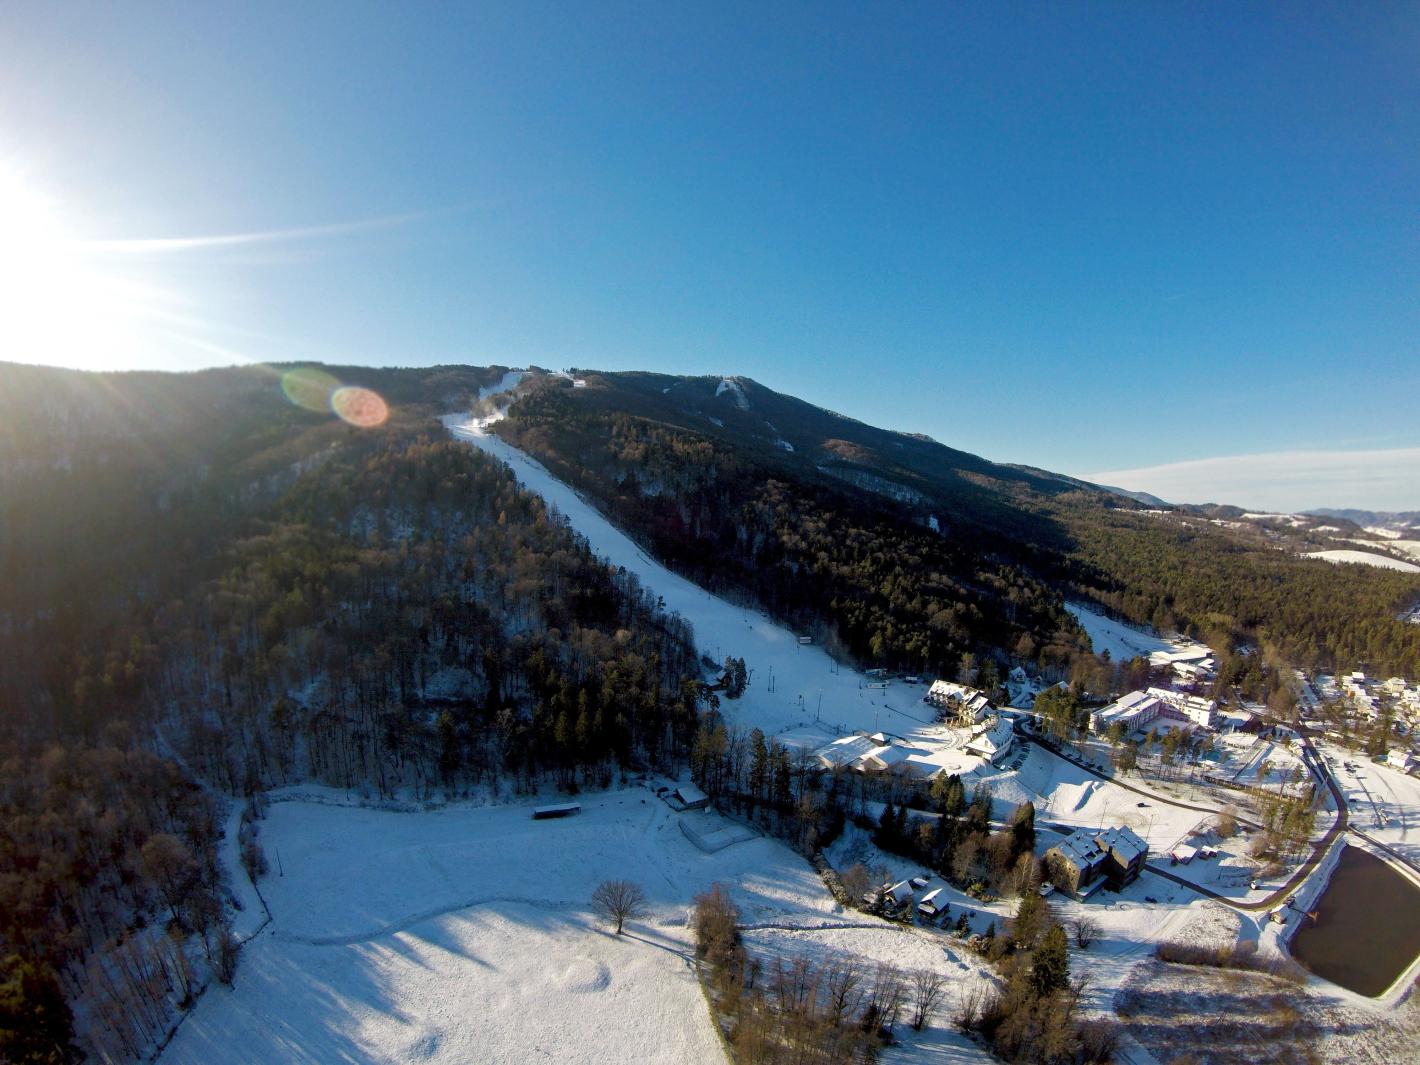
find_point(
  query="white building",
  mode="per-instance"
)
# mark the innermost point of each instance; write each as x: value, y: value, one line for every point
x: 1141, y: 708
x: 993, y: 743
x: 891, y: 757
x: 844, y: 751
x: 959, y: 703
x: 1400, y: 758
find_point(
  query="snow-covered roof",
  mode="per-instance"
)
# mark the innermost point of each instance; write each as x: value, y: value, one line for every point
x: 1079, y: 848
x: 844, y: 750
x: 1196, y: 653
x: 922, y: 766
x: 901, y: 891
x: 994, y: 740
x: 689, y: 793
x: 1124, y: 840
x: 887, y: 756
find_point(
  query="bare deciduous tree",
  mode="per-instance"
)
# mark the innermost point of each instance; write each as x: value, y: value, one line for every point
x: 971, y: 1001
x: 842, y: 984
x: 856, y: 882
x: 1086, y: 930
x: 928, y: 987
x: 619, y: 901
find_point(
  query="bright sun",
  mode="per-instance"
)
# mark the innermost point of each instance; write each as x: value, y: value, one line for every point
x: 58, y: 304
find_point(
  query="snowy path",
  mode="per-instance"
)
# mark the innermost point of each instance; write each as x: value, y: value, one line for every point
x: 791, y: 686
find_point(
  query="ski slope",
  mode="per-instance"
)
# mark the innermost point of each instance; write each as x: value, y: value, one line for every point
x: 1122, y: 641
x: 791, y: 686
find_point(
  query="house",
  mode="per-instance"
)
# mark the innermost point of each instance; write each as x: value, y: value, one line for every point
x: 994, y: 743
x: 890, y: 757
x: 1084, y: 861
x: 1356, y: 687
x: 1400, y: 758
x: 690, y: 797
x: 959, y: 704
x: 899, y: 896
x: 934, y: 903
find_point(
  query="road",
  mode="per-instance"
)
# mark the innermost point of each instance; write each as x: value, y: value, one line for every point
x: 1315, y: 762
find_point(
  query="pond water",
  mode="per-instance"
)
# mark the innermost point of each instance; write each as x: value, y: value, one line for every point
x: 1367, y: 928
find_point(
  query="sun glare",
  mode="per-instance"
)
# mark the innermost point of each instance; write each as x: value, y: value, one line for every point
x: 57, y: 302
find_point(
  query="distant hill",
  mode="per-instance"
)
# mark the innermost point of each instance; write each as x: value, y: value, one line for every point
x: 1397, y: 520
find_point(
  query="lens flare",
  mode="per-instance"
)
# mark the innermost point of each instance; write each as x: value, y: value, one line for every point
x: 309, y: 388
x: 359, y: 406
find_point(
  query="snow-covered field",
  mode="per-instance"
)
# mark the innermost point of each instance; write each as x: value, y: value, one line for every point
x: 1367, y: 558
x: 464, y: 934
x: 1384, y: 802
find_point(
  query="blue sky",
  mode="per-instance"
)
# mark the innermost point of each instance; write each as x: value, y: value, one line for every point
x: 1094, y: 238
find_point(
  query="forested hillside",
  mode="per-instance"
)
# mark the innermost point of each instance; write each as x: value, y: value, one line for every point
x: 207, y: 586
x: 855, y: 567
x: 914, y: 554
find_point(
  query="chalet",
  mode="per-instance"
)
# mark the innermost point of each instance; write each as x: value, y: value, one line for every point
x: 690, y: 797
x: 1400, y: 758
x: 994, y: 743
x: 959, y: 704
x: 899, y: 895
x: 935, y: 902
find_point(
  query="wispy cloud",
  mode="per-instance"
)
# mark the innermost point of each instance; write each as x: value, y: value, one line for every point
x: 1387, y: 479
x: 158, y: 245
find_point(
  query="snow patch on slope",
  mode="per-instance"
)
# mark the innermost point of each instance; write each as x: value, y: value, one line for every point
x: 1366, y: 558
x: 735, y: 389
x: 1122, y: 641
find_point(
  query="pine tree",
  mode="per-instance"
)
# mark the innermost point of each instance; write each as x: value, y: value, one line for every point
x: 1050, y: 966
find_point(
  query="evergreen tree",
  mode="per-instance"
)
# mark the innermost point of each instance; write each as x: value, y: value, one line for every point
x: 1050, y: 965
